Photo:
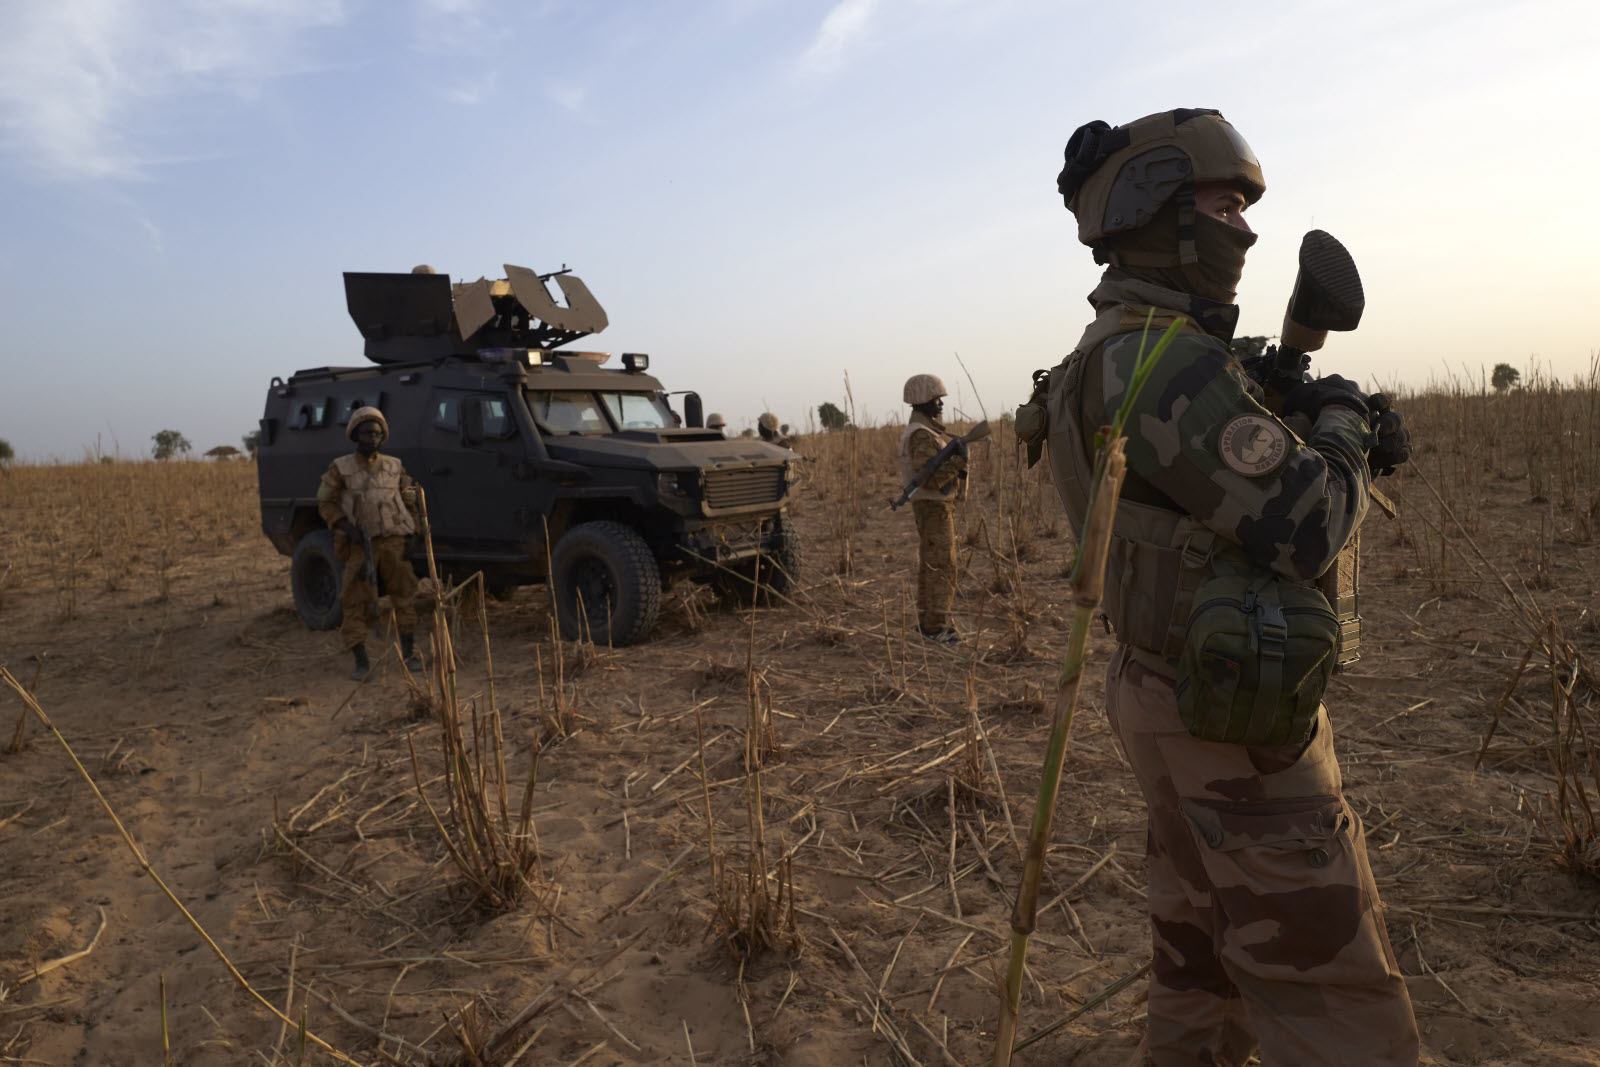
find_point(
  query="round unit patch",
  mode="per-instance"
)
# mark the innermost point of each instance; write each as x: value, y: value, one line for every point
x: 1253, y: 445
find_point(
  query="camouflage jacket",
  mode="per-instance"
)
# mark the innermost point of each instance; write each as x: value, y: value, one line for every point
x: 921, y: 441
x: 1200, y: 442
x: 370, y: 492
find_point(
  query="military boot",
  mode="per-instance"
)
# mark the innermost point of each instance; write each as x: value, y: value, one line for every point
x: 409, y: 657
x: 362, y: 666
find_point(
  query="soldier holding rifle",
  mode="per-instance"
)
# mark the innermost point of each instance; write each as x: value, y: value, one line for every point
x: 933, y: 467
x: 369, y: 502
x: 1266, y: 926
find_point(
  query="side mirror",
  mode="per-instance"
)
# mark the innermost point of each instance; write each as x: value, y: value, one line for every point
x: 693, y: 411
x: 471, y: 420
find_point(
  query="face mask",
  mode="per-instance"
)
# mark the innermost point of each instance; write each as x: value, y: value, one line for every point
x: 1221, y: 249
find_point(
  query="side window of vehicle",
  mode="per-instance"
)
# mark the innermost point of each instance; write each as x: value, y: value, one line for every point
x: 447, y: 411
x: 311, y: 415
x: 497, y: 421
x: 358, y: 403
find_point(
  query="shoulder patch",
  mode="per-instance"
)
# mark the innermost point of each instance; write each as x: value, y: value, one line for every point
x: 1253, y: 445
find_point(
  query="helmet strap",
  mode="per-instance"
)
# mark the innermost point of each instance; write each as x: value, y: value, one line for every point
x: 1185, y: 199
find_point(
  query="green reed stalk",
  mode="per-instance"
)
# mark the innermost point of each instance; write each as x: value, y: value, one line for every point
x: 1088, y: 582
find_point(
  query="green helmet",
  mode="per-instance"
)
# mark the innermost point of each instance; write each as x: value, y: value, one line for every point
x: 1117, y: 177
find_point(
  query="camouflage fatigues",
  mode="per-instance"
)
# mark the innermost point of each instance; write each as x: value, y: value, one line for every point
x: 1266, y: 924
x: 369, y: 491
x: 360, y: 599
x: 934, y: 509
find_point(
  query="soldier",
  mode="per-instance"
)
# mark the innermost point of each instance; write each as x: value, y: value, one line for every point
x: 933, y: 505
x: 716, y: 422
x: 767, y: 427
x: 1266, y: 925
x: 367, y: 493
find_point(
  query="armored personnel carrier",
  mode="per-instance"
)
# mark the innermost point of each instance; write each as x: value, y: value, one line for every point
x: 539, y: 463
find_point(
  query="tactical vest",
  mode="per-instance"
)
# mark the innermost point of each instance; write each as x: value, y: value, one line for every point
x: 908, y: 470
x: 371, y: 496
x: 1158, y: 556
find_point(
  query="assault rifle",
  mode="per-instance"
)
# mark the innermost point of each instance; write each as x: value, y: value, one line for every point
x: 956, y: 444
x: 369, y: 569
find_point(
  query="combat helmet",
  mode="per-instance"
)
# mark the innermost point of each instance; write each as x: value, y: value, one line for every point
x: 715, y: 421
x: 368, y: 414
x: 921, y: 388
x: 1117, y: 178
x: 768, y: 422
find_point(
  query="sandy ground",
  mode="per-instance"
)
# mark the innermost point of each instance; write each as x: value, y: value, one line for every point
x: 279, y: 803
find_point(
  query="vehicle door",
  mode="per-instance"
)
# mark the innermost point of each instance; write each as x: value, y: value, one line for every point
x: 474, y: 451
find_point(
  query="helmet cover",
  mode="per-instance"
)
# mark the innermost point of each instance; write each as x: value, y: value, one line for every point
x: 1117, y: 177
x: 715, y: 421
x: 367, y: 414
x: 921, y: 388
x: 768, y: 421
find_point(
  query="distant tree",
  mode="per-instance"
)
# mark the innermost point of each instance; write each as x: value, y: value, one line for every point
x: 1504, y: 376
x: 831, y: 416
x: 252, y: 441
x: 169, y: 443
x: 783, y: 428
x: 747, y: 432
x: 6, y: 453
x: 1246, y: 347
x: 222, y: 452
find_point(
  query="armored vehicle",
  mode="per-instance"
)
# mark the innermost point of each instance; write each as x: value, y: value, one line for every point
x: 538, y: 463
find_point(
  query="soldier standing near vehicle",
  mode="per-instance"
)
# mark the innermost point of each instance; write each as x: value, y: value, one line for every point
x: 933, y: 505
x: 767, y: 427
x: 367, y: 499
x: 1266, y: 925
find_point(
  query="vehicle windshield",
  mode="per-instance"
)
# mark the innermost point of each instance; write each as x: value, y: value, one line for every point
x: 568, y: 411
x: 639, y: 411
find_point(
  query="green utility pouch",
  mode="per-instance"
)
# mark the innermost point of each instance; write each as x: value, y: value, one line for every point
x: 1257, y: 658
x: 1033, y: 418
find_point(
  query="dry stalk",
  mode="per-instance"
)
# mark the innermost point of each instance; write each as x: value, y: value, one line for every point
x: 495, y: 853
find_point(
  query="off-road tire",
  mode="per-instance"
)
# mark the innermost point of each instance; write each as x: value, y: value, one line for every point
x: 780, y: 571
x: 616, y: 573
x: 314, y: 577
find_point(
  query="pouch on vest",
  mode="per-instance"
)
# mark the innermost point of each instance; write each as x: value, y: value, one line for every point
x: 1032, y: 424
x: 1258, y: 656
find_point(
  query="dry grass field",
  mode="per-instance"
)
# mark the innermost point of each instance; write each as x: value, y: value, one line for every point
x: 782, y: 835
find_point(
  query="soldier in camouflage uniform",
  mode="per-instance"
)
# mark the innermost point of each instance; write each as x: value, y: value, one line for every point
x: 1266, y: 925
x: 371, y: 493
x: 933, y: 505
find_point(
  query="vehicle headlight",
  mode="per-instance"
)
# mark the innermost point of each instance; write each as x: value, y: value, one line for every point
x: 675, y: 483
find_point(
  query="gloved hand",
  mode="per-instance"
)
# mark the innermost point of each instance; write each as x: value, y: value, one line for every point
x: 1309, y: 398
x: 349, y: 529
x: 1394, y: 440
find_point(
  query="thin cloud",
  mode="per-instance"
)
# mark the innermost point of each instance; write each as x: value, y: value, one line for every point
x: 569, y: 97
x: 841, y: 29
x: 473, y: 92
x: 78, y: 78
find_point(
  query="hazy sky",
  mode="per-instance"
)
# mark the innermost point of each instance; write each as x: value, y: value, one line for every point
x: 764, y: 194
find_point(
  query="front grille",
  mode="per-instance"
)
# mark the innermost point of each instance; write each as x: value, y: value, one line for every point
x: 746, y: 488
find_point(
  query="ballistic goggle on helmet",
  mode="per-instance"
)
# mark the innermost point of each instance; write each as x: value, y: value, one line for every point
x: 1117, y: 177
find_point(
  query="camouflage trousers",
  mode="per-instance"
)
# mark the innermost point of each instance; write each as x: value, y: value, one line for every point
x: 1266, y: 925
x: 936, y: 562
x: 360, y: 600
